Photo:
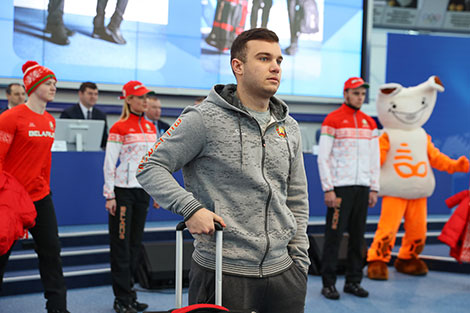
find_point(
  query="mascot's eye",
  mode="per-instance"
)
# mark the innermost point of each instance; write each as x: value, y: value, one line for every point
x: 423, y: 102
x: 394, y: 106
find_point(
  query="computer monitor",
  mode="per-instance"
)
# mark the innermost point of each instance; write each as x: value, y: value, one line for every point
x: 78, y: 135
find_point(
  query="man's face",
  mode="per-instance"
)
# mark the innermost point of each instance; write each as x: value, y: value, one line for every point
x: 261, y: 71
x: 17, y: 96
x: 88, y: 97
x: 154, y: 110
x: 46, y: 91
x: 355, y: 97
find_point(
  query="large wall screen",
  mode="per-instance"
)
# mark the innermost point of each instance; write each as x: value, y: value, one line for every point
x: 167, y: 42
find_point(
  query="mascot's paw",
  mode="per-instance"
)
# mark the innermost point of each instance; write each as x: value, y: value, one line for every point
x: 377, y: 270
x: 414, y: 266
x: 463, y: 164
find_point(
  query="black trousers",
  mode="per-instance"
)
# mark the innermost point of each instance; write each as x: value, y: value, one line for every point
x: 55, y: 12
x: 294, y: 28
x: 267, y: 4
x: 281, y: 293
x: 126, y: 230
x: 47, y: 246
x: 352, y: 218
x: 117, y: 17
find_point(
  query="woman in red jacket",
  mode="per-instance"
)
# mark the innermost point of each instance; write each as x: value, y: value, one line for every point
x: 26, y: 132
x: 127, y: 203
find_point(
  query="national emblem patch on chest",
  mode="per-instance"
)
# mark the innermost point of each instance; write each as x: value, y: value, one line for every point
x: 281, y: 131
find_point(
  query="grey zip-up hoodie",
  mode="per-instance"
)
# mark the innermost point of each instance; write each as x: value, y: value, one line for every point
x: 255, y: 181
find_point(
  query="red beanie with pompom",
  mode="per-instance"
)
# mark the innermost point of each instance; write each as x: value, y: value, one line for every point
x: 35, y: 75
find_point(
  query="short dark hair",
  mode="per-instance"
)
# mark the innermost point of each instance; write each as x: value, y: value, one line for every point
x: 86, y: 85
x: 8, y: 90
x: 238, y: 49
x: 153, y: 95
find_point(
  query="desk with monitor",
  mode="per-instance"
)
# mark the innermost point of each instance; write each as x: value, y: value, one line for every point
x: 78, y: 135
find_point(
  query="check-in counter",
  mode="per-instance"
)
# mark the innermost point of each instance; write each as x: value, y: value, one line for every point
x: 77, y: 190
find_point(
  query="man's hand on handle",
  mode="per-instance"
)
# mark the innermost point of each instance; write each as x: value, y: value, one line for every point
x: 202, y: 222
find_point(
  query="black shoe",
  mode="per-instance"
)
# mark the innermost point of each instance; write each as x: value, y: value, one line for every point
x: 68, y: 31
x: 120, y: 307
x: 59, y: 35
x: 292, y: 49
x: 330, y: 292
x: 139, y: 307
x: 57, y: 311
x: 355, y: 289
x: 115, y: 35
x: 100, y: 32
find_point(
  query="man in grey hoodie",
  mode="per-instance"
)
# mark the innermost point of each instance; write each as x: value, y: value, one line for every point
x: 242, y: 163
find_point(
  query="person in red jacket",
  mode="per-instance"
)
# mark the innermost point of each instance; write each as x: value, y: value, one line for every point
x: 27, y: 131
x: 127, y: 203
x: 349, y: 166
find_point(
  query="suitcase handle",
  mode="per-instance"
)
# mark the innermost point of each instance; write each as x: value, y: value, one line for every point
x: 182, y: 226
x: 179, y: 264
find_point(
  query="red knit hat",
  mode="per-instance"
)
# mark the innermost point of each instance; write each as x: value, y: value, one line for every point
x: 35, y: 75
x: 355, y: 82
x: 133, y: 88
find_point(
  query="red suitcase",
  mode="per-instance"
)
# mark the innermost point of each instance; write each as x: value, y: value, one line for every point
x: 205, y: 307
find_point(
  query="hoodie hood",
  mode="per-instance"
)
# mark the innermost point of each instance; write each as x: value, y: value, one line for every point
x: 225, y: 96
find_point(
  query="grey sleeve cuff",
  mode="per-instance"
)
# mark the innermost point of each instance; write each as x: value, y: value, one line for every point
x: 191, y: 208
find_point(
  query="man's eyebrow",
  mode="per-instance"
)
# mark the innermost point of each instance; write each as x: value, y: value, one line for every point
x: 268, y: 54
x: 263, y: 53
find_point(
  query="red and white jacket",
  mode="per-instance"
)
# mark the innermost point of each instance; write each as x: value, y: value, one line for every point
x: 128, y: 141
x: 349, y: 153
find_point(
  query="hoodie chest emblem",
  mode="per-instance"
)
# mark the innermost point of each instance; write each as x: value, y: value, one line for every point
x: 281, y: 131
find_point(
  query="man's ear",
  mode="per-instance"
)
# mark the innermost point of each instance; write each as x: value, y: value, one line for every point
x: 237, y: 66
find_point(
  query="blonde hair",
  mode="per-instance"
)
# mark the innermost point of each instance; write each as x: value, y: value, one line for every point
x: 126, y: 111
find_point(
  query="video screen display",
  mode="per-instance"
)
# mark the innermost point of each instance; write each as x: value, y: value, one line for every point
x: 181, y: 44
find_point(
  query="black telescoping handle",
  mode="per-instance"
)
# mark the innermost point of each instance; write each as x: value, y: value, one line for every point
x: 182, y: 226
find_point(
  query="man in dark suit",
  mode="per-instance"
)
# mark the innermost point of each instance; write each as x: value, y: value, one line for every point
x: 154, y: 112
x: 15, y: 96
x: 88, y: 95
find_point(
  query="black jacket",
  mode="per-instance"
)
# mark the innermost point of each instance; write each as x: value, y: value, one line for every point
x: 162, y: 127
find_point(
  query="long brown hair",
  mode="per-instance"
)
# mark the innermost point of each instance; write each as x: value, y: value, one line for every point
x: 126, y: 111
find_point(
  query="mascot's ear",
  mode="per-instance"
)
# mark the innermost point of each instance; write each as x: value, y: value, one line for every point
x: 435, y: 83
x: 390, y: 89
